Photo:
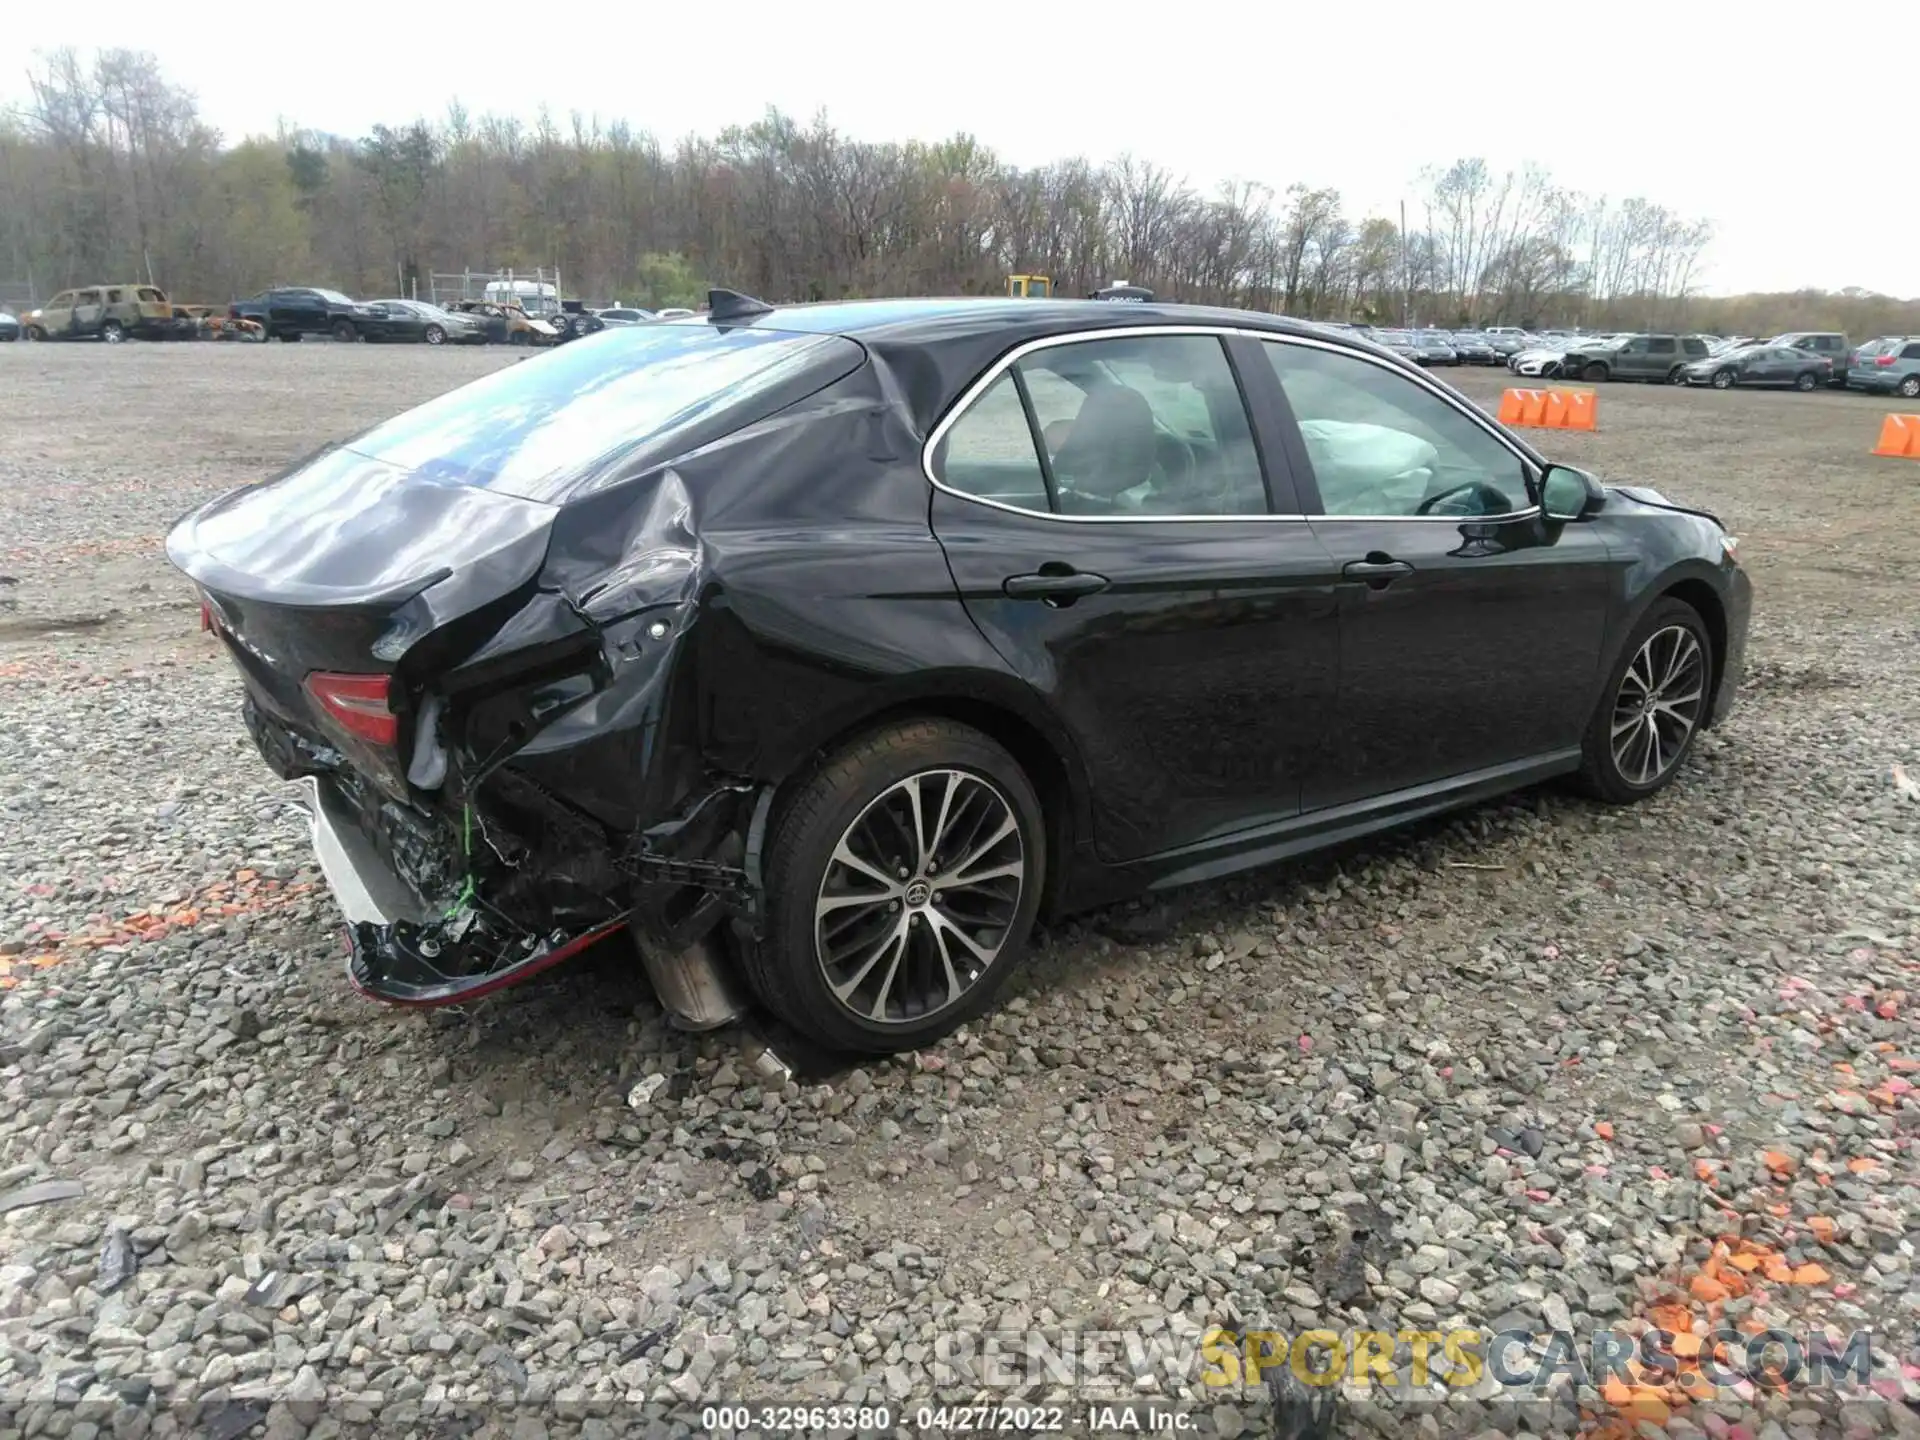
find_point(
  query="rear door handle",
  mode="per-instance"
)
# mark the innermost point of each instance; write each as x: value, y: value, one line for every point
x: 1377, y: 573
x: 1057, y: 586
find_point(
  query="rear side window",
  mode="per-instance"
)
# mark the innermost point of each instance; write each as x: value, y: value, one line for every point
x: 1694, y: 347
x: 1912, y: 352
x: 1661, y: 345
x: 1130, y: 426
x: 529, y: 429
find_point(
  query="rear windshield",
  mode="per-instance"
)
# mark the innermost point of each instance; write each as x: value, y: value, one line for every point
x: 530, y: 428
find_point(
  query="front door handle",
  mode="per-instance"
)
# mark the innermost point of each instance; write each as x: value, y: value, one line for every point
x: 1378, y: 573
x: 1057, y: 584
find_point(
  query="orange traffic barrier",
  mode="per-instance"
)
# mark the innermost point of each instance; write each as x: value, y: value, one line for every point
x: 1550, y: 409
x: 1900, y: 436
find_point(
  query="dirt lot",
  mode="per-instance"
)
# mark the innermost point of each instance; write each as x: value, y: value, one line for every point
x: 1542, y: 1067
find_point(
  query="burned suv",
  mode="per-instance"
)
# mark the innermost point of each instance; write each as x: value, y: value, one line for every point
x: 826, y: 646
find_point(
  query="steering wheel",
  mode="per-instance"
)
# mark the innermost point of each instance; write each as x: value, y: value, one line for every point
x: 1492, y: 501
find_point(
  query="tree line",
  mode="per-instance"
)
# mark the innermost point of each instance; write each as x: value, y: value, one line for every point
x: 108, y: 171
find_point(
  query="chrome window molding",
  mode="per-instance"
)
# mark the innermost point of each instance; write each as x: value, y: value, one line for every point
x: 1273, y: 337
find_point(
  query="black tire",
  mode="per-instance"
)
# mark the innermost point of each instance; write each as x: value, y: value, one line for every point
x: 828, y: 808
x: 1805, y: 381
x: 1677, y: 375
x: 344, y: 332
x: 112, y: 332
x: 1604, y: 773
x: 1723, y: 379
x: 1909, y: 388
x: 289, y: 337
x: 435, y: 335
x: 33, y: 332
x: 1593, y: 370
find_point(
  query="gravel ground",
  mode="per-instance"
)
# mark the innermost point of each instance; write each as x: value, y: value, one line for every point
x: 1541, y: 1067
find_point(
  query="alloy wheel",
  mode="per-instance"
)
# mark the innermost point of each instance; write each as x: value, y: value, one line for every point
x: 919, y: 896
x: 1658, y: 704
x: 1910, y: 387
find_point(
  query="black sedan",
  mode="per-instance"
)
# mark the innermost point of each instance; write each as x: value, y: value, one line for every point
x: 421, y: 323
x: 1474, y: 348
x: 823, y: 648
x: 1768, y: 365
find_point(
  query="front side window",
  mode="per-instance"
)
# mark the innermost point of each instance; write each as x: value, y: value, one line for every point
x: 1382, y: 444
x: 1130, y: 426
x: 88, y: 297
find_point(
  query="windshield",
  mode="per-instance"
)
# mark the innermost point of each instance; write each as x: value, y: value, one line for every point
x: 520, y: 430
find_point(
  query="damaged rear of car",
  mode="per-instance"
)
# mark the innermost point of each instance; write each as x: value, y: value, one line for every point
x: 475, y: 633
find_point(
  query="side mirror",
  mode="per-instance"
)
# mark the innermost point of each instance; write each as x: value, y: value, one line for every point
x: 1569, y: 494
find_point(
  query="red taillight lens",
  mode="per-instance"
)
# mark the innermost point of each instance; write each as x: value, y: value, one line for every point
x: 206, y: 616
x: 1884, y: 359
x: 358, y: 703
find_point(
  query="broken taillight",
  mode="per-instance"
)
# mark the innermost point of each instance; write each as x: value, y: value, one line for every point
x: 357, y: 703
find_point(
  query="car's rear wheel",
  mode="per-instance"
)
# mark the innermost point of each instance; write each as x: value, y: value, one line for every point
x: 1594, y: 371
x: 1910, y: 387
x: 1652, y: 708
x: 902, y: 881
x: 1677, y: 375
x: 1723, y: 379
x: 1805, y: 381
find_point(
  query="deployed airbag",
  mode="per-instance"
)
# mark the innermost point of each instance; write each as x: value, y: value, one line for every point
x: 1368, y: 469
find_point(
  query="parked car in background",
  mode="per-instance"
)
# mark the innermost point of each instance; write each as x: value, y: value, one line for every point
x: 1473, y: 348
x: 9, y: 327
x: 1505, y: 344
x: 506, y: 324
x: 626, y: 315
x: 1830, y: 343
x: 1540, y: 361
x: 1892, y: 369
x: 1400, y: 342
x: 1435, y: 347
x: 1635, y: 357
x: 418, y: 321
x: 1764, y: 365
x: 110, y: 313
x: 292, y: 312
x: 674, y: 312
x: 688, y: 647
x: 575, y: 321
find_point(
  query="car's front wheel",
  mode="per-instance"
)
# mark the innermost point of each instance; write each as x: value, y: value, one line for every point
x: 1652, y: 708
x: 1723, y: 379
x: 902, y: 881
x: 1594, y: 370
x: 435, y: 335
x: 344, y: 331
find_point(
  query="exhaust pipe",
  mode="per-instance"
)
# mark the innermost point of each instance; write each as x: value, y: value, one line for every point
x: 696, y: 986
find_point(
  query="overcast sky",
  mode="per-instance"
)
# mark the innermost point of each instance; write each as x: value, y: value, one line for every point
x: 1790, y: 128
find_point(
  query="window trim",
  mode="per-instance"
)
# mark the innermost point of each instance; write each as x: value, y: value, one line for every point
x: 984, y: 381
